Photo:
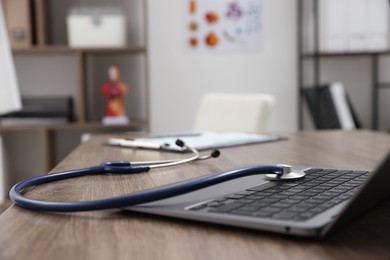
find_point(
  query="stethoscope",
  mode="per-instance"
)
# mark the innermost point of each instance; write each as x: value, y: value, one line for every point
x: 272, y: 172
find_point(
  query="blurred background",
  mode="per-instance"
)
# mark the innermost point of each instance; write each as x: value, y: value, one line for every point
x: 172, y: 52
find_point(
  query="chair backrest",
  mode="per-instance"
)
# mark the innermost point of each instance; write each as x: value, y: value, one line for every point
x: 233, y: 112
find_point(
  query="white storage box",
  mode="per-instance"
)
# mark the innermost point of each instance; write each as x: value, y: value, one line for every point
x: 96, y: 27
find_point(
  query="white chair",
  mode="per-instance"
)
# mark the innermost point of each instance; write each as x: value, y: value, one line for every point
x: 233, y: 112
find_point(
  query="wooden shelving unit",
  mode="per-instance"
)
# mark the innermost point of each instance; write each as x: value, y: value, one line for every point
x: 85, y: 121
x: 317, y: 56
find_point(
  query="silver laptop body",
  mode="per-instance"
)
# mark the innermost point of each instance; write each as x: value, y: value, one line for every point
x: 191, y: 206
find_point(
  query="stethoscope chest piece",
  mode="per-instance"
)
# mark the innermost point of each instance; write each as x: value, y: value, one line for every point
x: 288, y: 174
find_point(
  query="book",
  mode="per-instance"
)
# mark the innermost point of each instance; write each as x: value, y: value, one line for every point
x: 368, y: 25
x: 8, y: 121
x: 331, y: 108
x: 41, y: 110
x: 328, y: 24
x: 346, y: 25
x: 342, y: 106
x: 321, y: 107
x: 378, y: 25
x: 333, y: 31
x: 19, y: 22
x: 40, y: 21
x: 356, y: 19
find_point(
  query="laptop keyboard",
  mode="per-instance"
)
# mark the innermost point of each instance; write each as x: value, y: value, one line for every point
x: 300, y: 200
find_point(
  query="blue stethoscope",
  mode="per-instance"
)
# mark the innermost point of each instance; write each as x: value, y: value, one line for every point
x: 273, y: 172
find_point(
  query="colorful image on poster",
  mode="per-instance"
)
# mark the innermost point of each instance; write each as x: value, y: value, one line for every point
x: 223, y: 25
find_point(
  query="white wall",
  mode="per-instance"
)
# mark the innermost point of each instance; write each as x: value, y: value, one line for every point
x: 179, y: 78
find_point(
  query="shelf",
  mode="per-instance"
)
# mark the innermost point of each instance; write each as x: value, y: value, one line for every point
x: 52, y: 67
x: 135, y: 123
x: 383, y: 85
x: 314, y: 57
x: 343, y: 54
x: 66, y: 49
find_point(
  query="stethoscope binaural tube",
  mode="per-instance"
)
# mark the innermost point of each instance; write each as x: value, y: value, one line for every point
x: 137, y: 197
x: 113, y: 167
x: 16, y: 192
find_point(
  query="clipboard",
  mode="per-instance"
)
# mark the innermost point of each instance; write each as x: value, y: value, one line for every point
x: 199, y: 141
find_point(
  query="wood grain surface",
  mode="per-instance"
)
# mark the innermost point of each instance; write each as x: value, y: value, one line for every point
x: 115, y: 234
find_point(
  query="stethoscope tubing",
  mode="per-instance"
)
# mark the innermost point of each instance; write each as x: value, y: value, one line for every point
x: 164, y: 192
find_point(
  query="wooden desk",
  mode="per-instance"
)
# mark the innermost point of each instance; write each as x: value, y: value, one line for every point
x: 118, y: 235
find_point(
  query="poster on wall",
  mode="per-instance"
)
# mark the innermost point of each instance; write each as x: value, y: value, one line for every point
x: 223, y: 25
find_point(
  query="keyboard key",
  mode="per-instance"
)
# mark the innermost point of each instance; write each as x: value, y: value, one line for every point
x: 281, y: 205
x: 324, y: 196
x: 285, y: 215
x: 280, y: 196
x: 221, y: 200
x: 306, y: 205
x: 311, y: 193
x: 215, y: 204
x: 291, y: 201
x: 297, y: 210
x: 278, y: 188
x: 270, y: 209
x: 291, y: 184
x: 325, y: 172
x: 255, y: 196
x: 312, y: 170
x: 249, y: 209
x: 262, y: 186
x: 270, y: 199
x: 297, y: 189
x: 245, y: 201
x: 260, y: 204
x: 317, y: 200
x: 317, y: 210
x: 267, y: 193
x: 246, y: 193
x: 360, y: 172
x: 235, y: 196
x: 306, y: 215
x: 240, y: 212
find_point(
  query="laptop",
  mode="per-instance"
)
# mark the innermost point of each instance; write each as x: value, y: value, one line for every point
x: 321, y: 202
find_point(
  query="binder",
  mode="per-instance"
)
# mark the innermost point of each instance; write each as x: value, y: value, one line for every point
x: 333, y: 29
x: 378, y: 25
x: 357, y: 23
x: 40, y: 20
x: 41, y: 110
x: 347, y: 25
x: 342, y: 106
x: 19, y: 22
x: 331, y: 107
x: 321, y: 106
